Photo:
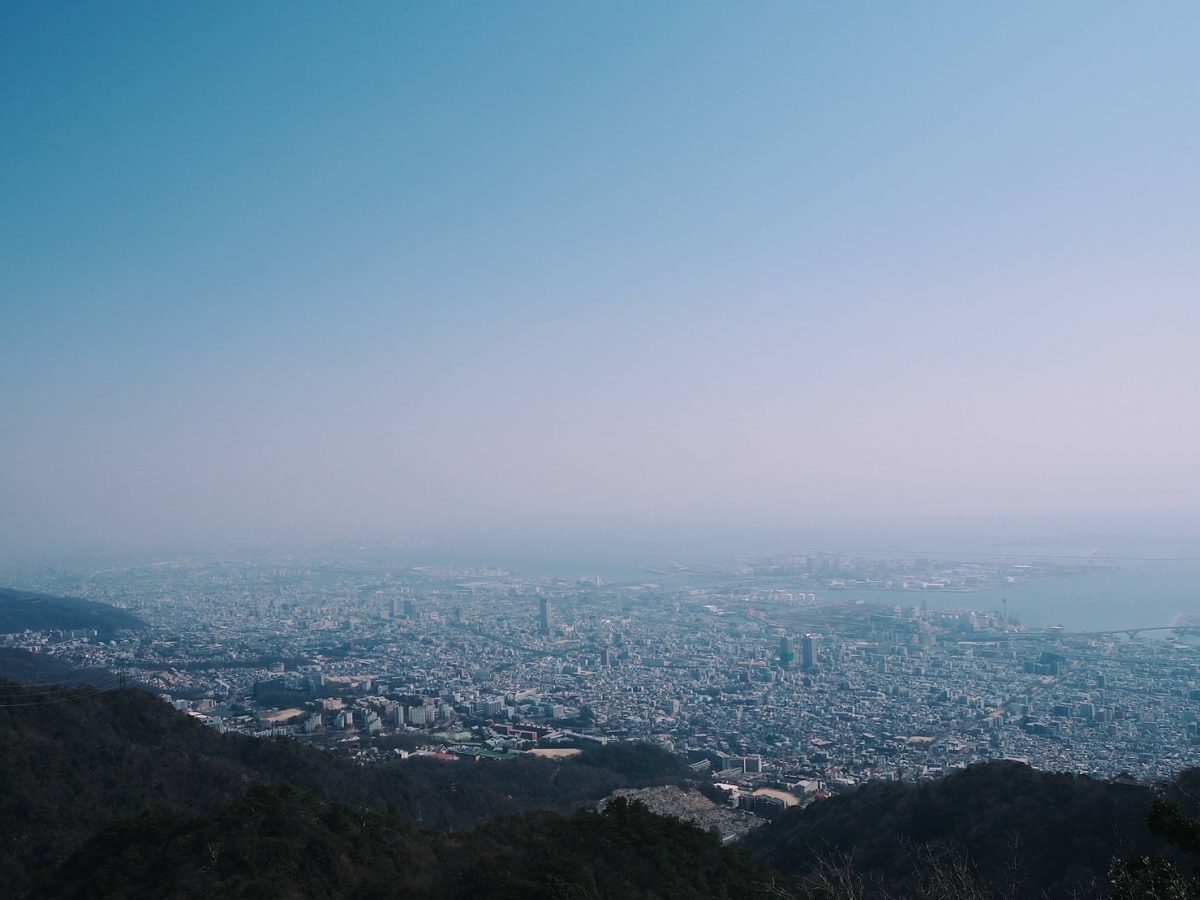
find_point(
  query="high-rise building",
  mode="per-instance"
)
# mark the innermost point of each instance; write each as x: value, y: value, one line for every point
x: 544, y: 615
x: 808, y: 650
x: 786, y: 656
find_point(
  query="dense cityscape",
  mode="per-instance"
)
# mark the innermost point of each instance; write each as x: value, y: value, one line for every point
x: 773, y: 677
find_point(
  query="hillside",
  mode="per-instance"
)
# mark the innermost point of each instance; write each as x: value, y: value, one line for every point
x: 26, y: 610
x: 279, y: 844
x: 42, y: 668
x: 1026, y: 830
x: 74, y: 761
x: 118, y: 794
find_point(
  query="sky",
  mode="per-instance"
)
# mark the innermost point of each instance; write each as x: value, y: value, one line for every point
x: 415, y: 269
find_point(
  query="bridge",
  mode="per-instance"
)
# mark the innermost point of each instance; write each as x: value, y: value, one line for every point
x: 1184, y: 623
x: 1131, y: 633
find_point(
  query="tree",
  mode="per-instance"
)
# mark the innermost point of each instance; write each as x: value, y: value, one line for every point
x: 1155, y: 878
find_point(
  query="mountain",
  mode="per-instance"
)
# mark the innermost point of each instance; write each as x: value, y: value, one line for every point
x: 72, y: 762
x: 42, y: 668
x: 119, y: 795
x: 26, y: 610
x: 1033, y: 833
x: 280, y: 844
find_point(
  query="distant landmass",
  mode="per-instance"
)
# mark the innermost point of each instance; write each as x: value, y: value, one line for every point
x: 26, y: 610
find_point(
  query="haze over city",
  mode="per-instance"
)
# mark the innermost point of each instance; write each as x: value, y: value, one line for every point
x: 678, y: 269
x: 724, y: 451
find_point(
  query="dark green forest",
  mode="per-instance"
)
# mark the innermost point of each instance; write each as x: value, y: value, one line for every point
x: 276, y: 844
x: 21, y: 610
x: 117, y: 794
x: 42, y: 668
x: 1027, y: 832
x: 72, y: 762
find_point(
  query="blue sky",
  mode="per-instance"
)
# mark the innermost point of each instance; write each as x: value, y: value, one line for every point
x: 410, y: 268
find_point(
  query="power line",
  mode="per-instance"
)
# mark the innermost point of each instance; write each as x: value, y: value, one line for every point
x: 29, y: 687
x: 33, y: 689
x: 30, y: 691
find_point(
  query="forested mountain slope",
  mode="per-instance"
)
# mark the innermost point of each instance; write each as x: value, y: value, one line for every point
x: 1033, y: 831
x: 119, y: 795
x: 27, y: 610
x: 72, y: 762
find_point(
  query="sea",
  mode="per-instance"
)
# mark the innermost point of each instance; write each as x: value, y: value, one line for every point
x: 1123, y: 594
x: 1128, y: 571
x: 1127, y: 574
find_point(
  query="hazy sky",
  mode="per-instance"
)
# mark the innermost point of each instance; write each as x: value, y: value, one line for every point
x: 416, y: 268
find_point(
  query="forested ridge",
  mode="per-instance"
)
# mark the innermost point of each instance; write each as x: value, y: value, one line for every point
x: 119, y: 795
x: 28, y: 610
x: 283, y: 844
x: 1029, y: 832
x: 74, y: 761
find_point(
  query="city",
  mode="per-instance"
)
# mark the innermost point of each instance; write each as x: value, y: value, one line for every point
x: 770, y: 676
x: 542, y: 451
